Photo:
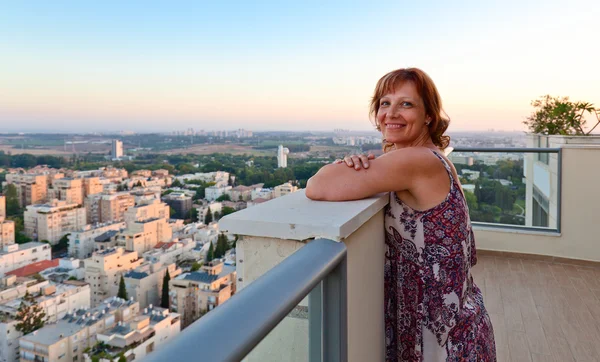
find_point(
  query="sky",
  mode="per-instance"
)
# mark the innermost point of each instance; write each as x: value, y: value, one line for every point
x: 145, y: 66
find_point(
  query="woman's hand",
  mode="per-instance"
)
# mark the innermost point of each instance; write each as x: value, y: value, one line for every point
x: 357, y: 161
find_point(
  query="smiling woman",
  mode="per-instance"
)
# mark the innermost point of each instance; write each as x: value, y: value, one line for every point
x: 433, y: 309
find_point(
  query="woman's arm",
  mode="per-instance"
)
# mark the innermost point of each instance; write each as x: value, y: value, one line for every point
x: 394, y: 171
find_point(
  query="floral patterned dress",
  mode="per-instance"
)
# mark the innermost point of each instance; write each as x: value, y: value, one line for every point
x: 433, y: 309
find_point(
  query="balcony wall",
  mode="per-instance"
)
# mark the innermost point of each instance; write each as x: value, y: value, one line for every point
x: 274, y: 230
x: 578, y: 237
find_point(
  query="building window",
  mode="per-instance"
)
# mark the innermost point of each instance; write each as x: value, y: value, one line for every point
x: 542, y: 142
x: 540, y: 207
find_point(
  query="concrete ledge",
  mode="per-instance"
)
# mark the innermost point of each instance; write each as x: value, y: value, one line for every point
x: 295, y: 217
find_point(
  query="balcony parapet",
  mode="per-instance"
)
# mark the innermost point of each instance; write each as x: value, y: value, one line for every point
x: 272, y: 231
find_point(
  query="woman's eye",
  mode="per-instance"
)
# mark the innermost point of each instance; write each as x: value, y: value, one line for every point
x: 406, y: 104
x: 384, y: 103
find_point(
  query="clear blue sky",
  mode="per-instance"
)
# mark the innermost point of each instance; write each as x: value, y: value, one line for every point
x: 96, y: 66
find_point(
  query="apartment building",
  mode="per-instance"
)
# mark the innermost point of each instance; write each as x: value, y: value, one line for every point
x: 220, y: 178
x: 91, y: 185
x: 193, y: 294
x: 117, y: 149
x: 181, y: 203
x: 103, y: 208
x: 78, y: 330
x: 7, y: 232
x: 243, y: 193
x: 67, y: 189
x: 82, y: 242
x: 284, y: 189
x: 145, y: 282
x: 104, y: 269
x: 135, y: 339
x: 53, y: 220
x: 146, y: 195
x: 214, y: 192
x: 7, y: 227
x: 171, y: 252
x: 55, y: 299
x: 143, y: 235
x: 32, y: 189
x: 261, y: 193
x: 153, y: 210
x: 15, y: 256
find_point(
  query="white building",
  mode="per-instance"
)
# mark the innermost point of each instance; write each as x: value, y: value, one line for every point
x: 470, y: 174
x: 213, y: 192
x: 67, y: 268
x: 145, y: 282
x: 135, y: 339
x: 69, y: 337
x: 117, y: 149
x: 284, y: 189
x: 54, y: 220
x: 82, y: 242
x: 171, y: 253
x: 15, y: 256
x: 261, y: 193
x: 282, y: 153
x: 55, y: 300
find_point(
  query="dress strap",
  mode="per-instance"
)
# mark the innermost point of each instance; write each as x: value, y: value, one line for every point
x: 448, y: 169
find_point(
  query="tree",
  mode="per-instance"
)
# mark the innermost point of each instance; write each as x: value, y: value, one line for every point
x: 164, y: 301
x: 559, y: 116
x: 139, y: 184
x: 72, y: 278
x: 216, y: 216
x: 208, y: 218
x: 222, y: 245
x: 196, y: 266
x: 20, y: 238
x: 122, y: 358
x: 194, y: 214
x: 176, y: 183
x: 120, y: 188
x: 210, y: 255
x: 63, y: 244
x: 172, y: 212
x: 227, y: 210
x: 122, y: 289
x: 30, y: 315
x: 12, y: 200
x: 224, y: 197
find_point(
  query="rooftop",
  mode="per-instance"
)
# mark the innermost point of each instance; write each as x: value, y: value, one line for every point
x: 71, y: 323
x: 34, y: 268
x: 106, y: 236
x: 204, y: 277
x: 136, y: 274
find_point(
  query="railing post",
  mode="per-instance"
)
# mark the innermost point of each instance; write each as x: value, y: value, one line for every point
x: 315, y: 324
x: 335, y: 315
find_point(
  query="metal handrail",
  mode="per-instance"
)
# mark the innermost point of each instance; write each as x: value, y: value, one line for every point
x: 233, y: 329
x: 507, y: 149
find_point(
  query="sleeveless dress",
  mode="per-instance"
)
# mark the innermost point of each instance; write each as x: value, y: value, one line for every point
x: 433, y: 309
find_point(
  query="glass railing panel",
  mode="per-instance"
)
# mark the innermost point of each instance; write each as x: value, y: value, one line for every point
x: 519, y: 189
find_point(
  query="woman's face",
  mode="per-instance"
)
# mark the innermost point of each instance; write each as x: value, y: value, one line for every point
x: 402, y: 117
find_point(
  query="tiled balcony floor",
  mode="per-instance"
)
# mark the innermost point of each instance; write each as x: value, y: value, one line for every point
x: 541, y: 311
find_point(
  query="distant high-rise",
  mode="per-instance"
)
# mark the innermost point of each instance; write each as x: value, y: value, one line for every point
x: 117, y: 149
x: 282, y: 156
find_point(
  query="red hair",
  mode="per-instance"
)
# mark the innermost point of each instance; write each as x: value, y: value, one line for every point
x: 427, y: 91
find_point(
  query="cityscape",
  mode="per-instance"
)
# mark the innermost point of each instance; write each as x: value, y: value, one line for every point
x: 161, y: 197
x: 117, y: 246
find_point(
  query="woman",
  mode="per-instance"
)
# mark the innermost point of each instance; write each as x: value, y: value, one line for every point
x: 433, y: 310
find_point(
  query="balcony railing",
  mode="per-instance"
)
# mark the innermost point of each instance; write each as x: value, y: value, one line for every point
x: 514, y: 188
x: 266, y: 302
